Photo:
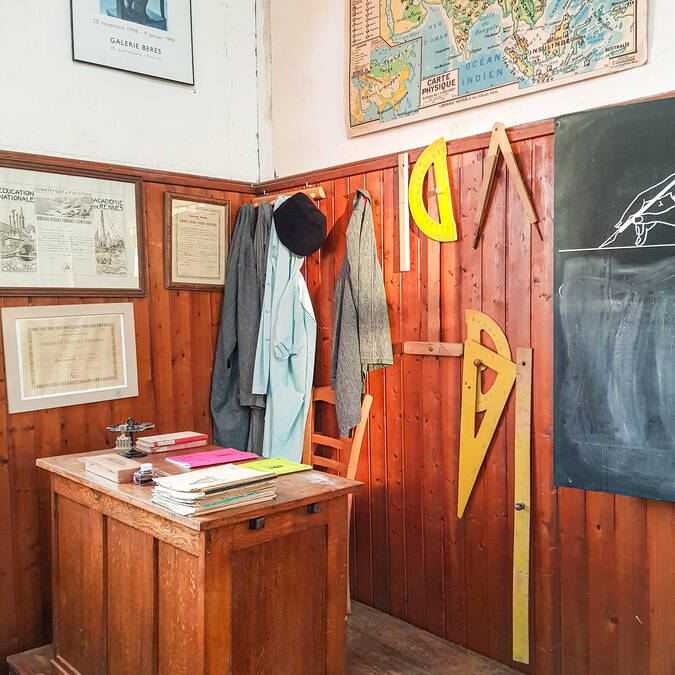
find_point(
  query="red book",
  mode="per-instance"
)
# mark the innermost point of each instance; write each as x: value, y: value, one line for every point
x: 166, y: 448
x: 177, y: 438
x: 211, y: 457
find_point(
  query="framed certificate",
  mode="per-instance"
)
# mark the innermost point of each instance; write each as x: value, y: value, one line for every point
x: 68, y: 355
x: 196, y: 240
x: 70, y: 232
x: 150, y: 37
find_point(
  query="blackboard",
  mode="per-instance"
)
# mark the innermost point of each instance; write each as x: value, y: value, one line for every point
x: 614, y: 300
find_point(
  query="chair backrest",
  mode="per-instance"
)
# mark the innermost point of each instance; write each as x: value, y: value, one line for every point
x: 351, y: 447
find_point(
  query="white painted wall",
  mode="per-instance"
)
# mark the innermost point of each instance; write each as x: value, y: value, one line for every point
x: 52, y: 105
x: 309, y: 82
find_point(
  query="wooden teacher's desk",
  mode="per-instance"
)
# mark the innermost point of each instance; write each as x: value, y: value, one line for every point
x: 137, y: 589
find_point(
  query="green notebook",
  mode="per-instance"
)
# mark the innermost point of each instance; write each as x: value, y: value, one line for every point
x: 278, y: 465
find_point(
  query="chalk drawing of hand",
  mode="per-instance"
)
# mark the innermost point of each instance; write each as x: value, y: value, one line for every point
x: 651, y: 207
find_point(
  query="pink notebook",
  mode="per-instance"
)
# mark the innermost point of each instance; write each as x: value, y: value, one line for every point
x: 211, y: 457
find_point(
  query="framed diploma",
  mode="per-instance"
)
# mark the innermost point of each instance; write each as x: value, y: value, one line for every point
x: 149, y: 37
x: 196, y: 240
x: 70, y: 232
x: 68, y: 355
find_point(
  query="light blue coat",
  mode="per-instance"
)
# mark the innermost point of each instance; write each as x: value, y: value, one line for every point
x: 284, y: 363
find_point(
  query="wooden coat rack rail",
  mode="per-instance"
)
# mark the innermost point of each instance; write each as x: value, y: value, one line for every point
x: 315, y: 193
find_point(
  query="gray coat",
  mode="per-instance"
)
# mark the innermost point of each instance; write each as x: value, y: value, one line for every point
x: 235, y: 349
x: 261, y: 242
x: 361, y: 335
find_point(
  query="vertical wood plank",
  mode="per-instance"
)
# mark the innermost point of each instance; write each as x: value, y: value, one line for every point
x: 80, y: 552
x: 602, y: 622
x: 413, y: 456
x: 177, y: 601
x: 377, y: 431
x: 9, y: 638
x: 394, y: 406
x: 494, y: 254
x: 130, y: 618
x: 432, y: 480
x: 545, y: 524
x: 475, y: 541
x: 452, y: 320
x: 632, y: 608
x: 363, y: 551
x: 660, y: 547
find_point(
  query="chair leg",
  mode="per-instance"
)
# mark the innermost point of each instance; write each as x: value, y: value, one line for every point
x: 349, y: 594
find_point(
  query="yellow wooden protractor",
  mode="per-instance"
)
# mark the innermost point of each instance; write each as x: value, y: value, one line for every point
x: 445, y: 230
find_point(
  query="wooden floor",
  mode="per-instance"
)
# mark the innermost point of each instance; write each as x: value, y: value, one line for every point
x: 378, y: 643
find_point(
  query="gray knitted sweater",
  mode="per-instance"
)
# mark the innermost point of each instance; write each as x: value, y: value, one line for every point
x: 361, y: 335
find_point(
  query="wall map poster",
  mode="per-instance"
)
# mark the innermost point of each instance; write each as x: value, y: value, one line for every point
x: 59, y: 231
x: 151, y: 37
x: 413, y: 59
x: 614, y: 300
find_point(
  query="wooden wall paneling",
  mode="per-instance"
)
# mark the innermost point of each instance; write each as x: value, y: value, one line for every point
x: 632, y: 608
x: 660, y: 547
x: 430, y: 414
x: 475, y: 544
x: 493, y: 252
x: 377, y: 435
x: 130, y: 620
x: 545, y: 547
x: 395, y: 540
x: 587, y: 585
x: 452, y: 321
x: 518, y: 243
x: 413, y: 455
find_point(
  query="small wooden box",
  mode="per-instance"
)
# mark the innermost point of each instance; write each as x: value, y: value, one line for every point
x: 113, y: 467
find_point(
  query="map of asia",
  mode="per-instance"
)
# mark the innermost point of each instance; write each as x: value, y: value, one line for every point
x: 413, y: 59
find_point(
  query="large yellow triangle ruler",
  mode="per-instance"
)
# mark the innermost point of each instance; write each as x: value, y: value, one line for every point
x: 434, y: 155
x: 473, y: 445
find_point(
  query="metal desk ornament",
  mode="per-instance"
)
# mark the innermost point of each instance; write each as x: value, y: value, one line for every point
x: 124, y: 443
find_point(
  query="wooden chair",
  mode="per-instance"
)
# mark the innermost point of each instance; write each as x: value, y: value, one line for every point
x: 352, y: 446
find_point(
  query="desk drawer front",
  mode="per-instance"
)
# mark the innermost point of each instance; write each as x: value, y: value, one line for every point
x: 251, y: 533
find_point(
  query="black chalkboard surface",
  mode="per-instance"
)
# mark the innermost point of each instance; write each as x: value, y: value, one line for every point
x: 614, y: 342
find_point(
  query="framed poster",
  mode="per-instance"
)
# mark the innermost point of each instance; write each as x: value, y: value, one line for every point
x: 150, y: 37
x: 196, y: 239
x: 68, y: 355
x: 410, y: 60
x: 70, y: 233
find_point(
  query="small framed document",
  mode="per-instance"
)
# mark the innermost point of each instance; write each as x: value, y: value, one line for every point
x: 150, y: 37
x: 196, y: 241
x: 64, y: 355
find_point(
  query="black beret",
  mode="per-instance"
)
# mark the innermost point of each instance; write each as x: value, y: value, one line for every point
x: 300, y: 225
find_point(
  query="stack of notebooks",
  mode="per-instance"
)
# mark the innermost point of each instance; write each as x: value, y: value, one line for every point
x: 176, y: 441
x: 214, y: 489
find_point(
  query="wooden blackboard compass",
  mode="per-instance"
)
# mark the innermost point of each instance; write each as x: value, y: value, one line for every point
x: 499, y: 142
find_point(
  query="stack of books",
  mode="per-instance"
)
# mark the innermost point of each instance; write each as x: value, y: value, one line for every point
x: 215, y: 489
x: 175, y: 441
